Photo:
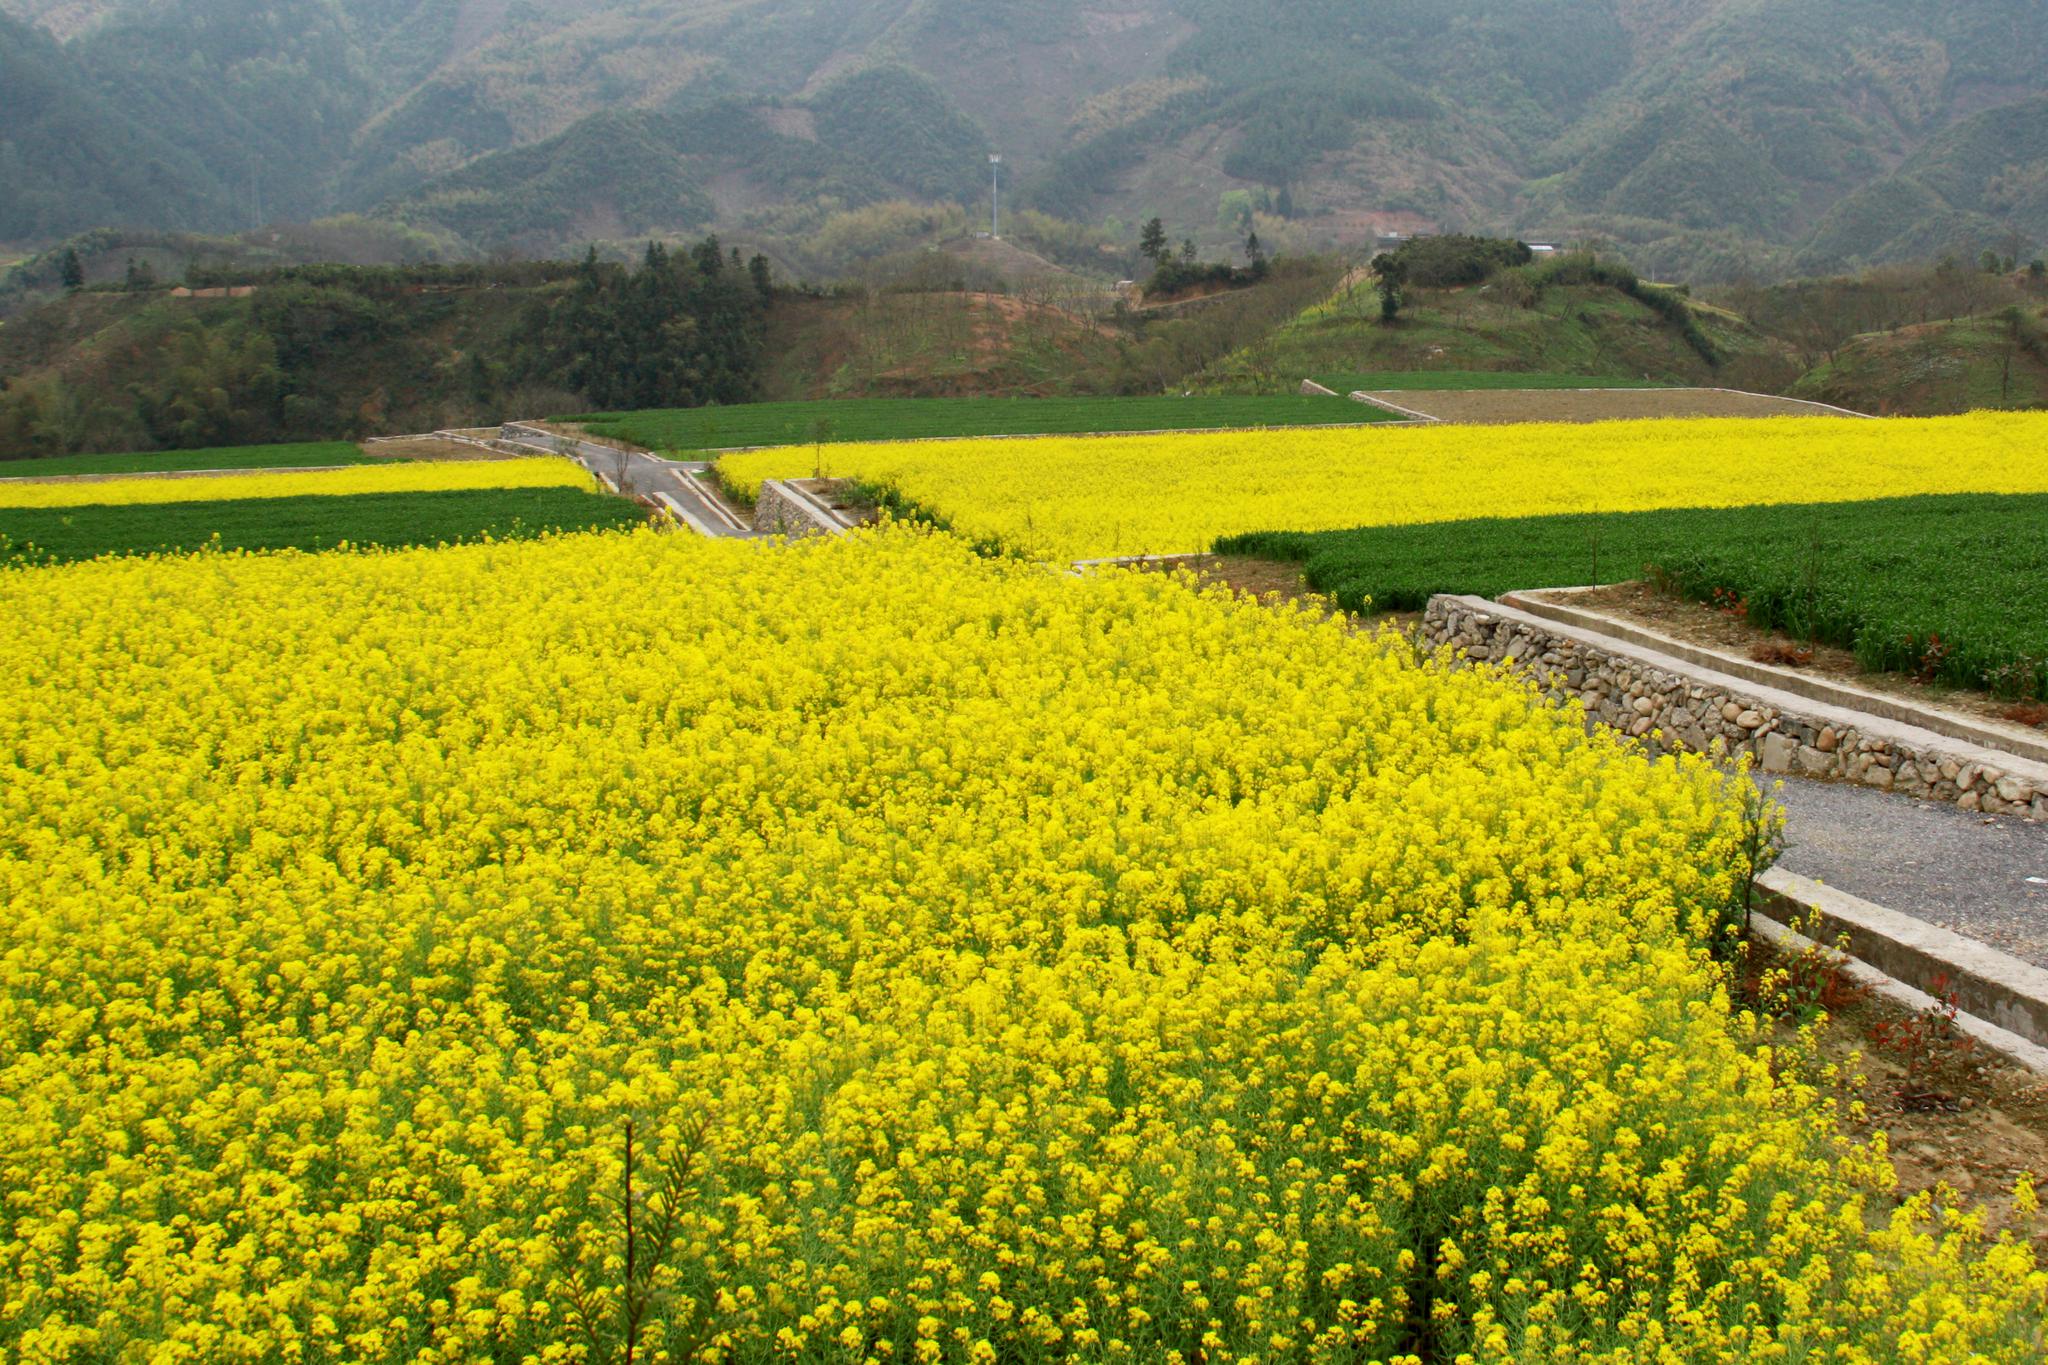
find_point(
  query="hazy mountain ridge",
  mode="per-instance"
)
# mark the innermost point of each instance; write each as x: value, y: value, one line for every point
x: 1676, y: 126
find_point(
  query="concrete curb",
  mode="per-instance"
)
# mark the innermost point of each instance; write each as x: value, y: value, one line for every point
x: 1784, y: 679
x: 709, y: 506
x: 1993, y: 990
x: 1413, y: 415
x: 675, y: 509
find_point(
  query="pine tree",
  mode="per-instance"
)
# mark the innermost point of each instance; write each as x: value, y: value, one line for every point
x: 71, y: 270
x: 1393, y: 273
x: 1152, y: 242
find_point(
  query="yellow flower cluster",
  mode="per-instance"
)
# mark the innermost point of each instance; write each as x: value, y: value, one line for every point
x: 993, y: 965
x: 540, y: 471
x: 1084, y: 497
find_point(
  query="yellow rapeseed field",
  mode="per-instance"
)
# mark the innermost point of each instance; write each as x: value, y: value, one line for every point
x: 993, y: 966
x: 1083, y: 497
x: 541, y: 471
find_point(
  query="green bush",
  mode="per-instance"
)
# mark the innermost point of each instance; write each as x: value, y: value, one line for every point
x: 1450, y: 260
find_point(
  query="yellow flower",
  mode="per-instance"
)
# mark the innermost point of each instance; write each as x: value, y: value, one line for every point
x: 989, y: 962
x: 1069, y: 497
x: 542, y: 471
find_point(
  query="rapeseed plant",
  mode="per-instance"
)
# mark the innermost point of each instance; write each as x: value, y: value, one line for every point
x: 1085, y: 497
x: 1000, y: 966
x: 540, y: 471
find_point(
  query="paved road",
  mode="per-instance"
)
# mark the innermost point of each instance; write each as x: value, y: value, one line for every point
x: 1962, y: 871
x: 648, y: 476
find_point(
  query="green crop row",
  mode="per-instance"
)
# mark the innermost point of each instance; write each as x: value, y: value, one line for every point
x: 901, y: 419
x: 1954, y: 589
x: 64, y: 534
x: 307, y: 455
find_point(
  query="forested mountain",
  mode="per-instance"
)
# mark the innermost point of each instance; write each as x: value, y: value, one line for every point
x: 1699, y: 133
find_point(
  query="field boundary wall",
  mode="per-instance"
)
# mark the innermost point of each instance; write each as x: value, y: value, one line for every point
x: 1671, y: 705
x: 1554, y: 604
x: 782, y: 508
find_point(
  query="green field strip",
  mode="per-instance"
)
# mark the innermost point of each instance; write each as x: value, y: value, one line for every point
x: 304, y: 455
x: 907, y: 419
x: 1953, y: 588
x: 66, y: 534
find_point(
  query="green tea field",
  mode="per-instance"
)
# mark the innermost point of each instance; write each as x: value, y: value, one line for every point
x: 908, y: 419
x: 1952, y: 587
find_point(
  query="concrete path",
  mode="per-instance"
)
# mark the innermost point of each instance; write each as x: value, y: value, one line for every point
x: 670, y: 483
x: 1960, y: 870
x: 639, y: 474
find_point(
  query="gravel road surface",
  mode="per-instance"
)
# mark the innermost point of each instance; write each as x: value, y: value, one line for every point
x: 1983, y: 876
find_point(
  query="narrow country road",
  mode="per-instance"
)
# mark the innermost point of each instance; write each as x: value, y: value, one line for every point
x: 1982, y: 876
x: 639, y: 474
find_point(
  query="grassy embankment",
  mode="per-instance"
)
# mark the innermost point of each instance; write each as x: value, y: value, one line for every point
x: 1504, y: 334
x: 1939, y: 367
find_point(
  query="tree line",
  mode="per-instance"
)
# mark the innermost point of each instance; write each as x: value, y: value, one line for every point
x: 324, y: 352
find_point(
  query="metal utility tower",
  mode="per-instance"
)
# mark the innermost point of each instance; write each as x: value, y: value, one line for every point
x: 995, y: 203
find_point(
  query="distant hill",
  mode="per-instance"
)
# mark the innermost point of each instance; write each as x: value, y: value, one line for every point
x: 1703, y: 135
x: 68, y: 161
x: 1533, y: 321
x: 1981, y: 184
x: 610, y: 175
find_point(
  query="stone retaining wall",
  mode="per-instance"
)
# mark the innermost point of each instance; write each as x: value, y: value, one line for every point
x: 1676, y: 709
x: 779, y: 510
